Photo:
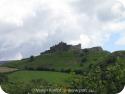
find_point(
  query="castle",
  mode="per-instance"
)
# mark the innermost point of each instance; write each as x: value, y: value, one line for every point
x: 63, y: 47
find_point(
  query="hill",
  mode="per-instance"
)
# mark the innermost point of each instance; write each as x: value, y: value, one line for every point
x: 62, y: 57
x: 92, y: 68
x: 3, y: 62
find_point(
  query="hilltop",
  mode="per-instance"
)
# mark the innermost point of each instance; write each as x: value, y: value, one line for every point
x: 63, y: 47
x: 62, y: 57
x: 68, y: 66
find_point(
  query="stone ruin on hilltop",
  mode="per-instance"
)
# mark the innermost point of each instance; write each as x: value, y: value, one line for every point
x: 63, y: 47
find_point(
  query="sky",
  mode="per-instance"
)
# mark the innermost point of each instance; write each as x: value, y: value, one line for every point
x: 28, y: 27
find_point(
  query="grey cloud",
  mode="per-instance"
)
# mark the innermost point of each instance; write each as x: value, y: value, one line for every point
x: 46, y: 28
x: 102, y: 9
x: 90, y: 6
x: 108, y: 14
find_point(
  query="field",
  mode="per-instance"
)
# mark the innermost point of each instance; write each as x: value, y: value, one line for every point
x: 6, y: 69
x: 26, y: 76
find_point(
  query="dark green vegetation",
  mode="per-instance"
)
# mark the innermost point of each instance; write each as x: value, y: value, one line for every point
x: 22, y: 82
x: 68, y: 68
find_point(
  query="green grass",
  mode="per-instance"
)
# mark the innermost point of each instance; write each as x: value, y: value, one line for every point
x: 60, y: 60
x: 55, y: 60
x: 95, y: 65
x: 26, y: 76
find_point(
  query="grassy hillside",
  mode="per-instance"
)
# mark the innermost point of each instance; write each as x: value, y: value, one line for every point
x: 92, y: 69
x: 54, y: 60
x: 27, y: 76
x: 22, y: 82
x: 60, y: 61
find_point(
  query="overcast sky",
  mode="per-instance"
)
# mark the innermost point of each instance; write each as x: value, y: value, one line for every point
x: 28, y: 27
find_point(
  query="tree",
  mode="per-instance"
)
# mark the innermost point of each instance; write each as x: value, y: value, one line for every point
x: 3, y: 78
x: 31, y: 58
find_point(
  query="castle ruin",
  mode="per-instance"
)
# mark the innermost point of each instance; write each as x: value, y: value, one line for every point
x: 63, y: 47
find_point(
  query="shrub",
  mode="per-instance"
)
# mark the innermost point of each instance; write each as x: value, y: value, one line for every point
x: 31, y: 58
x: 3, y: 78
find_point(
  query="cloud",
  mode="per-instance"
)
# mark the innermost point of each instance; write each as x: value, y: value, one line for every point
x: 29, y: 27
x: 112, y: 12
x: 8, y: 54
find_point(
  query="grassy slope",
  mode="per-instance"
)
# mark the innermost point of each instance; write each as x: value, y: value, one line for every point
x: 21, y: 82
x: 56, y: 59
x: 26, y: 76
x: 101, y: 61
x: 61, y: 60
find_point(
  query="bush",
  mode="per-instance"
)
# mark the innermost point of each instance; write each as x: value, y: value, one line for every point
x: 83, y: 60
x: 31, y: 58
x: 3, y: 78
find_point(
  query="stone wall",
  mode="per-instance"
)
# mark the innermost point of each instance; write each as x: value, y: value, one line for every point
x: 75, y: 47
x: 63, y: 47
x: 60, y: 47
